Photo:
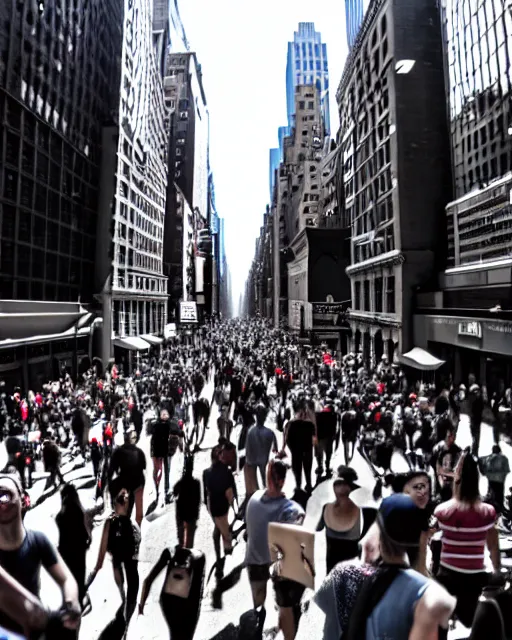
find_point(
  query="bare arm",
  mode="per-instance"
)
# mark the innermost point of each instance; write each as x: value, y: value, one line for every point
x: 433, y: 610
x: 285, y: 434
x: 493, y: 545
x: 155, y: 571
x: 101, y: 554
x: 67, y: 583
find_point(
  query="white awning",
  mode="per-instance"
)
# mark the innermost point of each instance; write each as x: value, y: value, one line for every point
x: 65, y: 335
x: 421, y: 359
x: 152, y: 339
x: 132, y: 343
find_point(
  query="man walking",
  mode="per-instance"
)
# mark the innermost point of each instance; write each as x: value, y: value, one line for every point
x: 496, y: 469
x: 260, y: 441
x: 266, y: 506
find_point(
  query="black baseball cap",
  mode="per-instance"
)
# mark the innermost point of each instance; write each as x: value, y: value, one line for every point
x: 400, y: 520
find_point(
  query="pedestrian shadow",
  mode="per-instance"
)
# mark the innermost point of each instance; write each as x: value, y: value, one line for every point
x: 116, y: 628
x: 250, y: 627
x: 151, y: 508
x: 225, y: 583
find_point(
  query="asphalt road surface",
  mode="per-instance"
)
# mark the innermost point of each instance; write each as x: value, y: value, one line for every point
x: 159, y: 530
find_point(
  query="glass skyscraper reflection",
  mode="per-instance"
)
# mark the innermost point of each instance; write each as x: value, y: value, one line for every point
x: 478, y: 50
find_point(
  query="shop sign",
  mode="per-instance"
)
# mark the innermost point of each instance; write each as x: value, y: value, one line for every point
x: 502, y: 327
x: 188, y: 312
x: 294, y: 314
x: 328, y: 314
x: 471, y: 329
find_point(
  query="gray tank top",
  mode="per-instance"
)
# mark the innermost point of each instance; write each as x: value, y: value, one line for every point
x: 351, y: 534
x: 393, y: 617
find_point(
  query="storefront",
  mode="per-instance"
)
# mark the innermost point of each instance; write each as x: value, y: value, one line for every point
x: 478, y: 346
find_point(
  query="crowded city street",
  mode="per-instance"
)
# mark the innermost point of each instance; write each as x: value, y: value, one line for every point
x: 218, y: 362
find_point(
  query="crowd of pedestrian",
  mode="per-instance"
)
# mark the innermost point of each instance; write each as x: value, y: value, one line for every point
x: 399, y: 567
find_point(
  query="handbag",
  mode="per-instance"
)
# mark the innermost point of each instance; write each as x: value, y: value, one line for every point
x: 292, y: 549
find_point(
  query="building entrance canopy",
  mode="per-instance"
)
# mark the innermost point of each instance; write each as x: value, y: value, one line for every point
x: 132, y: 343
x: 21, y: 320
x: 420, y: 359
x: 152, y: 339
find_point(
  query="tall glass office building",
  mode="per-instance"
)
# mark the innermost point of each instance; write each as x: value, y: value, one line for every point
x: 354, y: 15
x: 307, y: 64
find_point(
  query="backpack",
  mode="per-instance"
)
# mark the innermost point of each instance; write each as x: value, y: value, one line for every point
x: 368, y: 597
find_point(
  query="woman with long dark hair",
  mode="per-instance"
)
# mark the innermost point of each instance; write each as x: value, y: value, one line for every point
x: 468, y: 526
x: 74, y: 535
x: 121, y: 539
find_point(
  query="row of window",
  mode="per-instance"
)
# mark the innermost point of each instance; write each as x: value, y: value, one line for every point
x: 320, y: 80
x: 137, y: 317
x: 311, y: 49
x: 19, y: 260
x: 30, y: 289
x: 376, y: 296
x: 313, y: 65
x: 126, y: 280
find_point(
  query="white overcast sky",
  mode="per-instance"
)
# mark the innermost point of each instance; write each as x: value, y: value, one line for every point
x: 242, y: 47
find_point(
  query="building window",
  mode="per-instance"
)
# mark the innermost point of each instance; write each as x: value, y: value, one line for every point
x: 390, y: 294
x: 357, y: 296
x: 302, y: 105
x: 366, y: 293
x: 378, y: 294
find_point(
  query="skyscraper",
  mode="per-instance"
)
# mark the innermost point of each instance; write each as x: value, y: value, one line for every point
x: 274, y: 160
x: 354, y: 15
x: 133, y: 204
x: 307, y: 65
x: 60, y: 73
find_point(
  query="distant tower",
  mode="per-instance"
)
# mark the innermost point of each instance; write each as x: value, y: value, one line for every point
x: 307, y: 64
x: 354, y: 15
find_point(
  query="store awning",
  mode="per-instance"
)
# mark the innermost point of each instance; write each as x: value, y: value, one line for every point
x: 23, y: 320
x: 421, y: 359
x: 132, y: 343
x: 152, y: 339
x: 65, y: 335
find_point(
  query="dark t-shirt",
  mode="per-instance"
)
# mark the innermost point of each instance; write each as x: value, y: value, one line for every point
x: 160, y: 438
x: 326, y: 423
x: 300, y: 434
x: 24, y: 565
x: 130, y: 462
x: 188, y: 492
x: 216, y: 481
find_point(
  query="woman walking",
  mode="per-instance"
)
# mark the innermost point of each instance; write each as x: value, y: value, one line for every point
x: 344, y: 522
x: 468, y: 526
x: 121, y: 538
x: 74, y: 535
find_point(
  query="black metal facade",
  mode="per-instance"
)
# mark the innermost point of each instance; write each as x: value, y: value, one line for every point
x: 60, y: 64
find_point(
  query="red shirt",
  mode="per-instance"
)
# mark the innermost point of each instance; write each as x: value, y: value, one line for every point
x: 464, y: 535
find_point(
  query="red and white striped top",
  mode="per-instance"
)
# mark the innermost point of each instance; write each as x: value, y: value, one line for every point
x: 464, y: 535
